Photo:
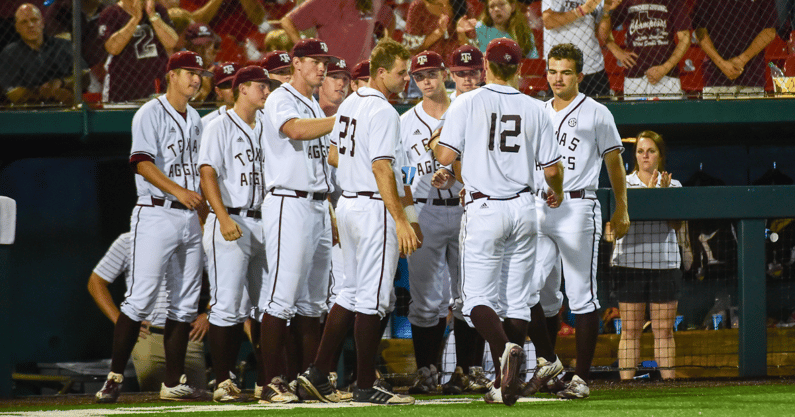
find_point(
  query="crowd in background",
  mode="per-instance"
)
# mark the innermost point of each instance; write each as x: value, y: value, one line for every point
x: 641, y: 48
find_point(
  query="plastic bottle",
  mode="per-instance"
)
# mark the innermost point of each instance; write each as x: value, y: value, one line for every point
x: 775, y: 71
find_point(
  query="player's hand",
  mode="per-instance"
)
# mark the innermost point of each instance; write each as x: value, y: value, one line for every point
x: 466, y: 26
x: 443, y: 179
x: 335, y: 232
x: 665, y: 180
x: 739, y: 62
x: 418, y: 233
x: 627, y: 59
x: 230, y: 230
x: 199, y: 328
x: 435, y: 136
x: 461, y: 196
x: 553, y: 199
x: 444, y: 20
x: 407, y: 238
x: 620, y: 223
x: 655, y: 74
x: 608, y: 233
x: 731, y: 70
x: 190, y: 199
x: 138, y: 9
x: 144, y: 331
x: 655, y: 175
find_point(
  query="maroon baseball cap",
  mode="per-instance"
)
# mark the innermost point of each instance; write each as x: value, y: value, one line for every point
x: 426, y: 60
x: 275, y: 60
x: 312, y: 47
x: 504, y: 51
x: 224, y: 73
x: 466, y: 57
x: 200, y: 34
x: 187, y: 60
x: 336, y: 65
x: 361, y: 70
x: 254, y: 73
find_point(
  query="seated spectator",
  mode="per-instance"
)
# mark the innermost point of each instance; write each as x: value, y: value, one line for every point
x: 346, y: 26
x: 431, y: 26
x: 574, y: 21
x: 277, y: 40
x: 58, y: 23
x: 279, y: 65
x: 36, y: 67
x: 360, y: 75
x: 8, y: 8
x: 138, y: 35
x: 201, y: 39
x: 734, y: 35
x: 234, y: 18
x: 501, y: 19
x: 657, y: 39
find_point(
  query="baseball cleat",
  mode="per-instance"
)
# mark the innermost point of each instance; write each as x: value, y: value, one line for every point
x: 575, y: 389
x: 425, y: 381
x: 378, y: 395
x: 554, y: 385
x: 493, y: 396
x: 277, y: 392
x: 544, y: 372
x: 510, y: 365
x: 317, y: 385
x: 182, y: 392
x: 228, y: 392
x: 478, y: 381
x: 111, y: 389
x: 457, y: 384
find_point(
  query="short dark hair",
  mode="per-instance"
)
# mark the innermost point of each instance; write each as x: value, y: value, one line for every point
x: 503, y: 71
x: 385, y: 53
x: 236, y: 91
x: 567, y: 51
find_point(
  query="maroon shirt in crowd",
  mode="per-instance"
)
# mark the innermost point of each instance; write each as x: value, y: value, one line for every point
x: 132, y: 73
x: 732, y: 25
x: 58, y: 19
x: 420, y: 21
x: 651, y: 27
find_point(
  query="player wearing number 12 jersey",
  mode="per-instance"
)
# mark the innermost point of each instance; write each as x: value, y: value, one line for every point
x: 501, y: 134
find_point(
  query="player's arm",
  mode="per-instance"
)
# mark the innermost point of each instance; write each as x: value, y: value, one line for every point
x: 98, y: 288
x: 387, y: 187
x: 728, y: 68
x: 759, y: 43
x: 156, y: 177
x: 165, y: 33
x: 207, y: 12
x: 554, y: 20
x: 443, y: 154
x: 307, y: 129
x: 619, y: 223
x: 289, y: 27
x: 230, y: 230
x: 333, y: 155
x: 119, y: 40
x: 411, y: 212
x: 554, y: 177
x: 655, y: 73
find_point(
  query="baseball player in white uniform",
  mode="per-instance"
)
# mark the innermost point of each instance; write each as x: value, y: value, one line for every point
x: 586, y: 134
x: 467, y: 69
x: 374, y: 229
x: 231, y: 165
x: 296, y: 212
x: 148, y: 356
x: 166, y: 133
x: 223, y: 75
x: 279, y: 65
x: 501, y: 134
x: 439, y: 214
x: 360, y: 75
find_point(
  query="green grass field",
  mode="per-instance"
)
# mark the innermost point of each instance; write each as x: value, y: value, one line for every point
x: 766, y: 399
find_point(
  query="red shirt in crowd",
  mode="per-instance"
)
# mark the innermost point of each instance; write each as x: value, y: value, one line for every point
x: 420, y: 21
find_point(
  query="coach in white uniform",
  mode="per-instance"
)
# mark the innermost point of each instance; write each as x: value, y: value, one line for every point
x: 295, y: 210
x: 586, y: 134
x: 231, y: 165
x: 165, y: 148
x: 501, y: 134
x: 373, y: 227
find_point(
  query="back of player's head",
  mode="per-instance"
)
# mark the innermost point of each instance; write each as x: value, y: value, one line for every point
x: 658, y: 141
x: 385, y: 53
x: 567, y: 51
x: 503, y: 55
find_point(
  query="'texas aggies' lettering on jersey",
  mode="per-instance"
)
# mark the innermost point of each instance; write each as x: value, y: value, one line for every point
x: 317, y: 151
x: 569, y: 161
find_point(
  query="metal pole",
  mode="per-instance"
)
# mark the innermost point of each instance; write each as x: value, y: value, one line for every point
x: 77, y: 51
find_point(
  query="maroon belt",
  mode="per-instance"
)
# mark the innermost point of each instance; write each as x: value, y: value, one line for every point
x: 371, y: 194
x: 174, y: 204
x: 478, y: 195
x: 571, y: 194
x: 254, y: 214
x: 448, y: 202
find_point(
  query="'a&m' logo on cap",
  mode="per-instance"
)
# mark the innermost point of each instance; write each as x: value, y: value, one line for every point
x: 229, y: 69
x: 508, y: 57
x: 422, y: 59
x: 284, y: 57
x: 466, y: 57
x: 199, y: 61
x: 323, y: 46
x: 342, y: 63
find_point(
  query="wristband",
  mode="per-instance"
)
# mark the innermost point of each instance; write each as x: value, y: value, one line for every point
x: 411, y: 214
x: 580, y: 11
x: 154, y: 17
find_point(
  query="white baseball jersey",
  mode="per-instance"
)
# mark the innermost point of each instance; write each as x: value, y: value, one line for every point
x: 234, y: 150
x: 498, y: 138
x: 171, y: 141
x: 209, y: 117
x: 294, y: 165
x: 647, y: 244
x: 416, y: 129
x: 585, y: 131
x: 117, y: 262
x: 381, y: 140
x: 581, y: 32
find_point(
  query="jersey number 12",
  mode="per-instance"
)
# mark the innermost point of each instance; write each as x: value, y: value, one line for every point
x: 505, y: 134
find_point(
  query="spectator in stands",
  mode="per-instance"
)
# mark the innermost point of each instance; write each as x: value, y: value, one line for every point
x: 201, y: 39
x: 279, y: 65
x: 658, y: 36
x: 734, y: 35
x: 431, y: 25
x: 500, y: 19
x: 181, y: 19
x: 277, y: 40
x: 8, y: 8
x: 647, y: 267
x: 36, y: 67
x: 346, y: 26
x: 148, y: 355
x: 574, y: 21
x: 785, y: 23
x: 58, y: 23
x: 335, y: 86
x: 360, y: 75
x: 234, y: 18
x: 139, y: 35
